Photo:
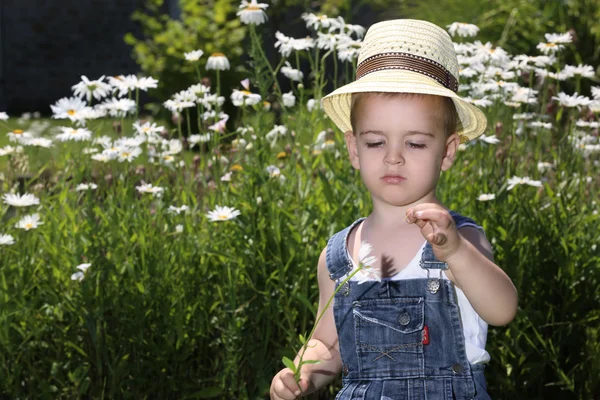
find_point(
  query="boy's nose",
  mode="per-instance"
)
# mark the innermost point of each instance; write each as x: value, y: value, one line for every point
x: 393, y: 157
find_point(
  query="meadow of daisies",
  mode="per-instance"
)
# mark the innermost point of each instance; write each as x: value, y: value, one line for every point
x: 142, y: 258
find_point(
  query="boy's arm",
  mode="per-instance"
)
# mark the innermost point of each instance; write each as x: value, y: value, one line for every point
x: 324, y: 339
x: 489, y: 290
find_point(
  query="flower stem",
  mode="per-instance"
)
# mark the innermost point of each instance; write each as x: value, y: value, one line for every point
x: 305, y: 345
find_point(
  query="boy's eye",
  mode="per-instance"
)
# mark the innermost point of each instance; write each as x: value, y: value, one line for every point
x: 374, y: 144
x: 416, y: 145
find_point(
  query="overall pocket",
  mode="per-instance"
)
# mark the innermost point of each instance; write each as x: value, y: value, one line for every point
x: 389, y: 336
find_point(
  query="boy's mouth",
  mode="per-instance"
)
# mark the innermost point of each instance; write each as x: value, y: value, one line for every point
x: 391, y: 178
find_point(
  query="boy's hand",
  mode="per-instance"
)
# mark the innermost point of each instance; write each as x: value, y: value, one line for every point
x: 284, y: 387
x: 438, y: 228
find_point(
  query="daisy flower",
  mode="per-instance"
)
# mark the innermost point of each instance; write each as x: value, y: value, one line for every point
x: 129, y: 154
x: 549, y: 47
x: 18, y: 135
x: 147, y: 128
x: 76, y: 134
x: 357, y: 30
x: 462, y: 29
x: 244, y: 97
x: 311, y: 104
x: 101, y: 157
x: 148, y: 188
x: 585, y: 71
x: 86, y: 88
x: 178, y: 210
x: 79, y: 275
x: 291, y: 73
x: 222, y: 214
x: 540, y: 124
x: 86, y: 186
x: 491, y: 139
x: 3, y: 116
x: 193, y: 140
x: 178, y: 106
x: 38, y: 142
x: 365, y: 264
x: 252, y: 13
x: 146, y: 82
x: 17, y: 200
x: 118, y: 107
x: 123, y: 83
x: 288, y: 99
x: 217, y: 61
x: 29, y: 222
x: 571, y: 101
x: 596, y: 92
x: 193, y: 55
x: 6, y: 150
x: 542, y: 166
x: 316, y: 21
x: 68, y: 108
x: 6, y: 240
x: 287, y: 44
x: 558, y: 37
x: 515, y: 180
x: 486, y: 197
x: 278, y: 130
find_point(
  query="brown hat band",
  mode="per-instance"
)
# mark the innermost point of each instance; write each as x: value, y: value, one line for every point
x: 408, y: 62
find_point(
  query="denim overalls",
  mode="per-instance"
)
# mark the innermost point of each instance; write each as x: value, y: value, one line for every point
x: 401, y: 339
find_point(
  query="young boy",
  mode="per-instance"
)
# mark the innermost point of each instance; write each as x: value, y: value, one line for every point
x: 419, y: 332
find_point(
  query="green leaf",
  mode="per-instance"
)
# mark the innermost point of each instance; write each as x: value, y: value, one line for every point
x: 77, y: 348
x: 140, y: 287
x: 302, y: 339
x: 289, y: 363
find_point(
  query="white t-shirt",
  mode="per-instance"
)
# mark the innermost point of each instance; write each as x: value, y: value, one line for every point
x: 474, y: 328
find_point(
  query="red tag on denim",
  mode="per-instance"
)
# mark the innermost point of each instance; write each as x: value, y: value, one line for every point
x: 425, y: 334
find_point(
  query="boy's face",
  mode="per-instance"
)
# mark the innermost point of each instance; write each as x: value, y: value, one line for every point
x: 400, y: 147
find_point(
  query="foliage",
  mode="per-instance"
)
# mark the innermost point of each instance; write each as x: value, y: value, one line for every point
x: 208, y: 311
x: 209, y: 25
x: 518, y: 25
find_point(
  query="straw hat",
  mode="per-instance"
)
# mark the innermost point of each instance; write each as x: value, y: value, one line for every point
x: 408, y: 56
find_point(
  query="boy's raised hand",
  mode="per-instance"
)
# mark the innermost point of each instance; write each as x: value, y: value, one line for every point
x: 437, y: 227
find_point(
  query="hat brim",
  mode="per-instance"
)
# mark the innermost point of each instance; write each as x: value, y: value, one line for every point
x: 337, y: 104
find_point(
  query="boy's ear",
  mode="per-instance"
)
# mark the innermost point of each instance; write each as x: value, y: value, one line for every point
x: 352, y: 149
x: 450, y: 151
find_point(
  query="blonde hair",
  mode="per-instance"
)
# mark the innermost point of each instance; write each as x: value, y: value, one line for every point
x: 451, y: 121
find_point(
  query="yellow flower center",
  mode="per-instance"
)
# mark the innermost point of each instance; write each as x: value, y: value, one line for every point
x: 222, y: 216
x: 550, y: 44
x: 245, y: 92
x: 71, y: 112
x: 329, y: 142
x: 237, y: 167
x: 18, y: 132
x: 125, y: 154
x: 28, y: 226
x: 146, y: 129
x: 281, y: 154
x: 217, y: 55
x: 73, y: 131
x: 253, y: 8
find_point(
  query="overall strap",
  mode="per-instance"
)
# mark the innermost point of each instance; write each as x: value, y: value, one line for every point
x: 338, y: 263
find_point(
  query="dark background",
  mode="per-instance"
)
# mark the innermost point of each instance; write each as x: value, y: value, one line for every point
x: 46, y: 45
